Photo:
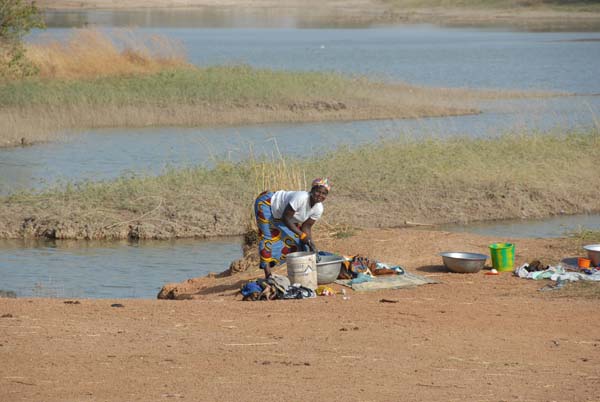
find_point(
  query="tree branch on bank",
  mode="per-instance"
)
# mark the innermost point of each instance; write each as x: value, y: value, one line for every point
x: 17, y: 19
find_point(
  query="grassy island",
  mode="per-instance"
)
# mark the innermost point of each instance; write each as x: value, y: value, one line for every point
x: 385, y: 185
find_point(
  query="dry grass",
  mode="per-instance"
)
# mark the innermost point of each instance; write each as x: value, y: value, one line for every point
x: 90, y: 53
x: 461, y: 179
x: 200, y: 97
x: 277, y: 173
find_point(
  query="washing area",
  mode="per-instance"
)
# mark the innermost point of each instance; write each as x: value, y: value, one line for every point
x: 585, y: 267
x: 318, y: 272
x: 125, y: 269
x: 312, y: 274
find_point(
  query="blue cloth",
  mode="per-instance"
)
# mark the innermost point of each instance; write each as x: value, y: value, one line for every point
x: 360, y: 278
x: 251, y: 287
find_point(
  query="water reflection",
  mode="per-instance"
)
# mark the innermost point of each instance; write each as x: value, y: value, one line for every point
x: 277, y: 17
x: 557, y: 226
x: 93, y: 269
x: 208, y: 17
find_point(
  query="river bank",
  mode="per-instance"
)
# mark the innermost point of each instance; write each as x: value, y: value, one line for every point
x: 43, y: 110
x: 426, y: 180
x: 532, y: 16
x: 468, y: 337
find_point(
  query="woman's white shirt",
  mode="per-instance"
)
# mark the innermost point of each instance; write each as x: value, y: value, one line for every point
x: 300, y: 203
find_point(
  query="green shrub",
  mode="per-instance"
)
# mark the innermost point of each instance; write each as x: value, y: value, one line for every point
x: 17, y: 18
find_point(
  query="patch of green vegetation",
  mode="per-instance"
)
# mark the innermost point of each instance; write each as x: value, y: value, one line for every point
x: 343, y: 231
x: 344, y: 234
x: 579, y: 289
x: 221, y: 84
x: 17, y: 19
x: 480, y: 168
x: 583, y: 235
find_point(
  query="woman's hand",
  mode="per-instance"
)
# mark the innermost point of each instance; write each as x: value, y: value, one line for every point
x: 305, y: 238
x: 304, y: 232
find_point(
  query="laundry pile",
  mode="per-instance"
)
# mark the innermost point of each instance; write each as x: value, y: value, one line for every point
x: 275, y: 287
x: 357, y: 272
x: 361, y: 269
x: 536, y: 270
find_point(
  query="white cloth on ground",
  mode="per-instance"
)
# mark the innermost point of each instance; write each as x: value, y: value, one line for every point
x: 558, y: 273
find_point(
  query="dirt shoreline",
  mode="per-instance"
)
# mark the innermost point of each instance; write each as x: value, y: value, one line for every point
x: 471, y: 337
x: 373, y: 11
x: 66, y: 4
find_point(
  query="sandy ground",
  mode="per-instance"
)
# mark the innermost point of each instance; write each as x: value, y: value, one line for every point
x: 471, y: 337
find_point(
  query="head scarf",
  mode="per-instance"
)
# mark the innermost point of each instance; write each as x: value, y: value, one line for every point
x: 324, y: 182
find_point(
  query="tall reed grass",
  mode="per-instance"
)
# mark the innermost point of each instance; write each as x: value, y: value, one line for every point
x: 91, y: 53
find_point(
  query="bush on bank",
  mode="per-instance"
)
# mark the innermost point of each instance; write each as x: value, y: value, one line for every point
x: 17, y: 18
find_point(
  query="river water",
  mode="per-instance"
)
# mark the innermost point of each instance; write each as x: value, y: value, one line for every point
x: 421, y: 54
x: 115, y: 269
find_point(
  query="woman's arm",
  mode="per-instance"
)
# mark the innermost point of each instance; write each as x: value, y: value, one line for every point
x: 306, y: 227
x: 288, y: 214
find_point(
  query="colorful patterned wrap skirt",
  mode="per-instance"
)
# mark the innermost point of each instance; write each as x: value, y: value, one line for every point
x: 276, y: 240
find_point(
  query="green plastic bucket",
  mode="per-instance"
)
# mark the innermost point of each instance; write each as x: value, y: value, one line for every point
x: 503, y: 256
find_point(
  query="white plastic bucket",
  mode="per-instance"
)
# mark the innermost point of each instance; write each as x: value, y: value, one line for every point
x: 302, y: 268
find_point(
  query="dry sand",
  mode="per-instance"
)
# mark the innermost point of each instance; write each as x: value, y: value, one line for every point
x: 471, y: 337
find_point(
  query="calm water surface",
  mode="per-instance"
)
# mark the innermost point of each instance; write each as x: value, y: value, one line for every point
x: 557, y: 226
x: 108, y: 269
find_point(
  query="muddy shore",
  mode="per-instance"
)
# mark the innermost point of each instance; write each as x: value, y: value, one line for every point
x: 470, y: 337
